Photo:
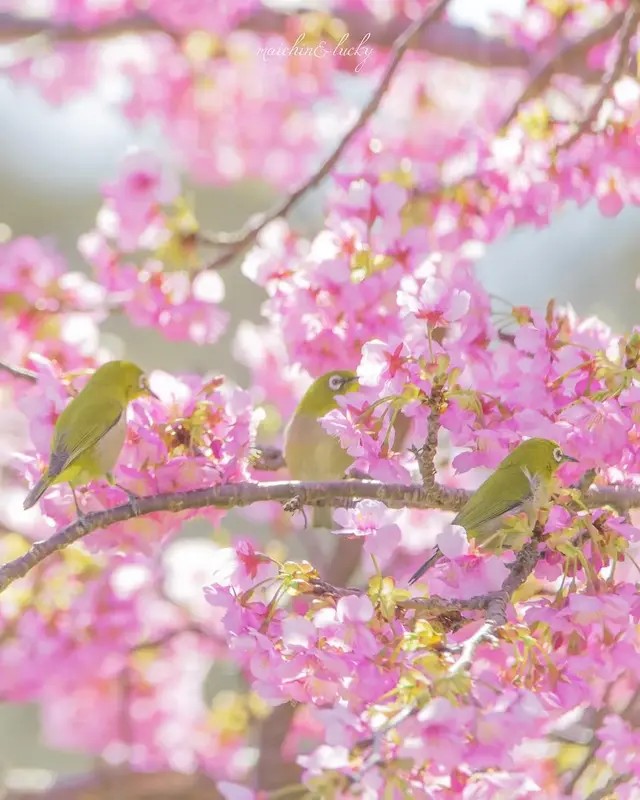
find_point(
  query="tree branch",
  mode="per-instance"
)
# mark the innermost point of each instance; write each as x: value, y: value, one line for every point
x: 433, y: 606
x: 495, y: 616
x: 110, y: 783
x: 595, y: 743
x: 18, y: 372
x: 628, y: 28
x: 607, y: 790
x: 238, y: 495
x: 272, y: 771
x: 236, y: 242
x: 567, y: 52
x: 233, y: 495
x: 443, y: 39
x: 426, y: 455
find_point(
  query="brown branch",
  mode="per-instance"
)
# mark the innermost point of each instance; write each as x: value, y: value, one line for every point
x: 234, y: 495
x: 495, y: 616
x: 169, y: 636
x: 426, y: 455
x: 595, y: 743
x: 238, y: 495
x: 443, y: 39
x: 272, y: 771
x: 627, y: 31
x: 433, y: 605
x: 110, y: 783
x: 236, y: 242
x: 607, y: 790
x: 18, y: 372
x: 567, y: 52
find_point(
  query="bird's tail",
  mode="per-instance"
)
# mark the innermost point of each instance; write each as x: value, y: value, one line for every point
x: 38, y: 490
x: 427, y: 565
x: 322, y: 517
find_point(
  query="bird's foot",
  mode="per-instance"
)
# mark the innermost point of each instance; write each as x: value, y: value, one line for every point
x: 134, y: 503
x: 133, y: 499
x: 82, y: 521
x: 81, y: 518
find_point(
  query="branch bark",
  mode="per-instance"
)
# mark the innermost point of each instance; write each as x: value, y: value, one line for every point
x: 237, y: 495
x: 495, y: 616
x: 627, y: 30
x: 542, y: 74
x: 426, y: 455
x: 234, y: 495
x: 18, y: 372
x: 272, y: 770
x: 107, y: 784
x: 443, y: 39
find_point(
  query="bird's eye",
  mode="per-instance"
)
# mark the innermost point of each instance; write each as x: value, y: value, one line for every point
x: 142, y: 382
x: 558, y: 454
x: 336, y: 382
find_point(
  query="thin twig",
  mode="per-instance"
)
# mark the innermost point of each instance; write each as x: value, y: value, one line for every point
x: 18, y: 372
x: 239, y: 240
x: 426, y: 455
x: 627, y: 30
x: 273, y: 772
x: 169, y: 636
x: 595, y: 743
x: 434, y: 604
x: 610, y: 785
x: 542, y: 76
x: 495, y: 616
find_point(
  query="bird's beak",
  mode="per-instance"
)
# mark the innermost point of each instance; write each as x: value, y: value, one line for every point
x: 148, y: 391
x: 565, y: 457
x: 349, y: 381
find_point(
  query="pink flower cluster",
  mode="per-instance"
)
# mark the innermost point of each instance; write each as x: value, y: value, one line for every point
x: 44, y: 308
x: 197, y: 435
x: 144, y: 252
x: 114, y: 637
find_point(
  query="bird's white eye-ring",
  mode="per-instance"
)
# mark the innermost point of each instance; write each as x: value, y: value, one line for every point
x: 336, y: 382
x: 142, y: 382
x: 558, y: 454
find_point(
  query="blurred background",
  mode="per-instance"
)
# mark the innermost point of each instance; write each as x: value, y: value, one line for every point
x: 53, y: 161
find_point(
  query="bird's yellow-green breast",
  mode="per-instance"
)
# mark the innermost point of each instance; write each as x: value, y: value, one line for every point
x: 310, y: 452
x: 90, y: 431
x: 521, y: 482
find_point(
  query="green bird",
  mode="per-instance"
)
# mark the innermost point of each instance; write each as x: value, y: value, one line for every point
x: 90, y: 432
x: 522, y: 482
x: 310, y: 452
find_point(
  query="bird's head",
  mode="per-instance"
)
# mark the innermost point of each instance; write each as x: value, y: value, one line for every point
x: 320, y: 397
x: 123, y: 378
x: 539, y: 456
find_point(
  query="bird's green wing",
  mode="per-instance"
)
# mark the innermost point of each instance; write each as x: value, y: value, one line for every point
x: 79, y: 428
x: 506, y: 490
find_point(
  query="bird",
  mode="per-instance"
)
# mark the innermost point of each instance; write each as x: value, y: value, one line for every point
x: 521, y: 482
x: 91, y: 430
x: 311, y: 454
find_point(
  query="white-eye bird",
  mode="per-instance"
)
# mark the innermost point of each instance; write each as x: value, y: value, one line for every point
x: 90, y: 432
x: 310, y: 452
x: 521, y: 483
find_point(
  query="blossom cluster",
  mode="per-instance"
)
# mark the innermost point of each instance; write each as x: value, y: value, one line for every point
x: 145, y: 646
